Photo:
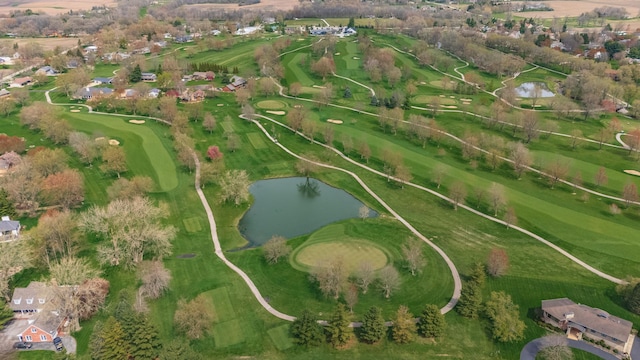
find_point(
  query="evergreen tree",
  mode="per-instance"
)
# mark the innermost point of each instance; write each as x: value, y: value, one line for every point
x: 158, y: 70
x: 109, y: 342
x: 6, y: 206
x: 470, y: 300
x: 373, y: 328
x: 96, y: 343
x: 6, y: 314
x: 506, y: 325
x: 178, y: 349
x: 347, y: 93
x: 141, y: 335
x: 404, y: 326
x: 352, y: 23
x: 136, y: 75
x: 478, y: 274
x: 375, y: 101
x: 432, y: 322
x: 306, y: 330
x: 633, y: 299
x: 340, y: 333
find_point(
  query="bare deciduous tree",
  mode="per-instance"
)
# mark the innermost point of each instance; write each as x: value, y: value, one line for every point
x: 363, y: 212
x: 413, y: 256
x: 520, y: 158
x: 195, y: 317
x: 457, y: 193
x: 155, y: 278
x: 388, y: 280
x: 630, y: 193
x: 275, y: 248
x: 601, y: 177
x: 365, y: 275
x: 13, y: 258
x: 497, y: 198
x: 235, y: 186
x: 330, y: 275
x: 497, y: 262
x: 351, y: 295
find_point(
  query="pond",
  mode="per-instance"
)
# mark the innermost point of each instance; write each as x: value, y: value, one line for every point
x: 295, y: 206
x: 526, y: 90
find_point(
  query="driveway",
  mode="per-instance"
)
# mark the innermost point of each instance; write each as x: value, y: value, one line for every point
x: 531, y: 349
x: 9, y: 336
x: 635, y: 350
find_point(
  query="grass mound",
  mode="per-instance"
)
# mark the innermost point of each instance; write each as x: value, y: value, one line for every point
x: 271, y: 105
x: 192, y: 224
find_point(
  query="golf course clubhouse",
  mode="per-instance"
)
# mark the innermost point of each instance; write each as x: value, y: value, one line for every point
x: 580, y: 321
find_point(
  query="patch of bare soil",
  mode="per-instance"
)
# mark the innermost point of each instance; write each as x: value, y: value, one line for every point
x: 283, y: 5
x: 46, y: 43
x: 563, y: 8
x: 52, y: 6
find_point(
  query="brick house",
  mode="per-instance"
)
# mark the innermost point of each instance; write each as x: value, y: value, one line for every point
x: 33, y: 304
x: 580, y: 321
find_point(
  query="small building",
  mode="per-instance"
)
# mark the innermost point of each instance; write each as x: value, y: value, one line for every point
x: 9, y: 229
x: 47, y: 70
x: 28, y: 301
x: 154, y: 93
x: 149, y: 76
x: 203, y: 75
x: 91, y: 48
x: 6, y: 60
x: 21, y: 81
x: 103, y: 80
x: 247, y: 30
x: 4, y: 92
x: 581, y: 321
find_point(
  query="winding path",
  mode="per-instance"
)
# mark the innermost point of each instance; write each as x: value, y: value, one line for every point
x: 532, y: 348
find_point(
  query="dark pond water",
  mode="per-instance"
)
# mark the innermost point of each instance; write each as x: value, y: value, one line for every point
x: 292, y: 207
x: 526, y: 90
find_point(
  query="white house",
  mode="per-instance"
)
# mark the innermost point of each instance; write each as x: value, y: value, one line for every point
x: 9, y: 229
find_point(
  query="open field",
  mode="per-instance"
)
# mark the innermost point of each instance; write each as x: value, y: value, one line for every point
x: 46, y: 43
x: 562, y: 8
x: 52, y: 6
x: 282, y: 5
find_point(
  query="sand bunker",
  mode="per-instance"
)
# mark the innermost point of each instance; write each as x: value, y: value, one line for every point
x: 424, y: 83
x: 75, y: 110
x: 319, y: 87
x: 333, y: 121
x: 114, y: 142
x: 633, y: 172
x: 99, y: 138
x: 220, y: 105
x: 136, y: 121
x: 449, y: 106
x: 297, y: 106
x: 275, y: 112
x: 356, y: 58
x: 453, y: 97
x: 467, y: 100
x: 337, y: 54
x: 466, y: 103
x: 441, y: 95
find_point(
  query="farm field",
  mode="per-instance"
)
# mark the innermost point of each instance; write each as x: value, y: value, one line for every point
x: 51, y: 6
x: 583, y: 226
x: 571, y: 8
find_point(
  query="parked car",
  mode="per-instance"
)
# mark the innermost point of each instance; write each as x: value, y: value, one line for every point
x: 22, y: 345
x: 58, y: 343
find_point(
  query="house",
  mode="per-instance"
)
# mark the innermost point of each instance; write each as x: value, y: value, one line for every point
x: 91, y: 48
x: 21, y: 81
x: 183, y: 39
x: 4, y: 92
x: 47, y: 70
x: 149, y: 76
x: 202, y: 75
x: 247, y: 30
x: 9, y: 229
x: 581, y: 321
x: 87, y: 93
x: 73, y: 64
x: 193, y: 95
x: 5, y: 60
x: 154, y: 93
x: 215, y: 32
x: 129, y: 93
x: 33, y: 303
x: 236, y: 82
x: 103, y: 80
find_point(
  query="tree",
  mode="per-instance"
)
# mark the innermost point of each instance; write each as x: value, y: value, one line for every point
x: 8, y: 209
x: 365, y: 151
x: 432, y: 322
x: 404, y: 327
x: 135, y: 75
x: 601, y: 177
x: 275, y: 248
x: 13, y: 258
x: 330, y: 275
x: 309, y: 128
x: 6, y: 314
x: 306, y: 331
x: 108, y: 341
x: 140, y: 333
x: 35, y: 113
x: 497, y: 262
x: 576, y: 138
x: 323, y: 67
x: 530, y: 126
x: 114, y: 160
x: 328, y: 134
x: 155, y: 278
x: 133, y: 230
x: 438, y: 174
x: 388, y: 280
x: 520, y: 158
x: 351, y: 296
x: 457, y: 193
x: 195, y: 111
x: 338, y: 329
x: 555, y: 347
x: 126, y: 189
x: 630, y: 193
x: 233, y: 142
x: 295, y: 117
x: 413, y: 255
x: 214, y: 153
x: 234, y: 186
x: 11, y: 144
x: 178, y: 349
x: 365, y: 275
x: 7, y: 105
x: 503, y: 314
x: 194, y: 326
x: 209, y: 123
x: 363, y: 212
x: 496, y: 198
x: 90, y: 297
x: 56, y: 235
x: 510, y: 217
x: 65, y: 188
x: 557, y: 170
x: 373, y: 327
x: 87, y: 148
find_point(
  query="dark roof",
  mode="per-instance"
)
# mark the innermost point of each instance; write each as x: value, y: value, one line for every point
x: 588, y: 317
x: 104, y: 80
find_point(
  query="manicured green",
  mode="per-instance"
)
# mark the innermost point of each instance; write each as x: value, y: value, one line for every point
x: 281, y: 337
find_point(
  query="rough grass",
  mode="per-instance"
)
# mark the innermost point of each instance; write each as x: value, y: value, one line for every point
x: 425, y: 99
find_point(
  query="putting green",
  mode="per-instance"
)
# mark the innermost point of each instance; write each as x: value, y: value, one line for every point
x: 353, y: 252
x: 271, y: 104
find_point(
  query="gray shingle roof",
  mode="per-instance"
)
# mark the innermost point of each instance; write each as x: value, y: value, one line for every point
x: 33, y: 294
x: 9, y: 225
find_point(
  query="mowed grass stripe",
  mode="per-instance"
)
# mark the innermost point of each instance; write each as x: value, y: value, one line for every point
x: 221, y: 303
x: 153, y: 154
x: 227, y: 126
x: 228, y: 333
x: 256, y: 140
x: 280, y: 337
